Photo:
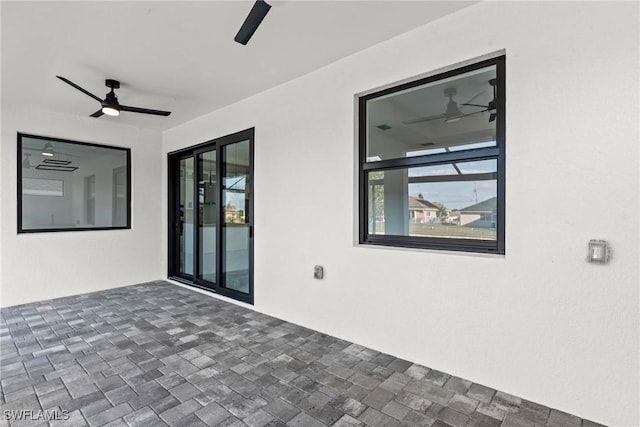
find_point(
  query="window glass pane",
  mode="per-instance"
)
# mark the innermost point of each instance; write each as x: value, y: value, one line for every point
x: 454, y: 200
x: 235, y: 196
x: 444, y: 169
x: 472, y: 146
x: 67, y: 185
x: 236, y: 257
x: 186, y: 215
x: 207, y: 188
x: 425, y: 152
x: 120, y: 196
x: 457, y: 113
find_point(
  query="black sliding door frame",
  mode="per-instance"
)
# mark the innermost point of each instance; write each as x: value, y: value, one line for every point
x: 174, y: 158
x: 197, y: 279
x: 174, y: 215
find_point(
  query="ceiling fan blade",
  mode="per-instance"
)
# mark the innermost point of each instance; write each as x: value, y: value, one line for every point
x: 97, y: 113
x: 474, y: 98
x: 473, y: 114
x: 144, y: 110
x: 476, y: 105
x: 252, y: 21
x: 86, y: 92
x: 423, y: 119
x: 67, y: 154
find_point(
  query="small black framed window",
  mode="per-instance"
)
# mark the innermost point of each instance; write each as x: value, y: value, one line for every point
x: 432, y: 161
x: 68, y: 185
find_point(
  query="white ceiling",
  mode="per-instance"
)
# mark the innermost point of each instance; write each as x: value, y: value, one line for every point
x: 180, y: 56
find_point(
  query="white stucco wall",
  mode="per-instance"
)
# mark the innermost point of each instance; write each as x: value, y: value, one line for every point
x: 539, y: 322
x: 47, y: 265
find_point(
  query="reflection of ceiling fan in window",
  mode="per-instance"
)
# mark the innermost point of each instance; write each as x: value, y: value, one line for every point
x: 490, y: 107
x: 50, y: 155
x: 48, y: 164
x: 48, y: 150
x: 453, y: 112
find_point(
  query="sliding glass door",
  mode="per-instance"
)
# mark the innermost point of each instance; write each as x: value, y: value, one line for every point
x: 211, y: 215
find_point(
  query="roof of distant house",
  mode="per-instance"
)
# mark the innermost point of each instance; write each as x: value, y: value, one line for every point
x: 416, y: 203
x: 489, y: 205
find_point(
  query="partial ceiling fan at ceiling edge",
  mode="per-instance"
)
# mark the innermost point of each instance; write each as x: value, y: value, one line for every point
x: 491, y: 106
x: 453, y: 113
x: 252, y: 21
x: 110, y: 104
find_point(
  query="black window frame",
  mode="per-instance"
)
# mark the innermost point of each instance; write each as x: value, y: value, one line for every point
x: 21, y: 230
x: 498, y: 153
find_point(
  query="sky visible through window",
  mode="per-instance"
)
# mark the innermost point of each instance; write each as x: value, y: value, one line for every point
x: 456, y: 194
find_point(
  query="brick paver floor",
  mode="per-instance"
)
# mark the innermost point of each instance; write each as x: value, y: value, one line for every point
x: 157, y: 354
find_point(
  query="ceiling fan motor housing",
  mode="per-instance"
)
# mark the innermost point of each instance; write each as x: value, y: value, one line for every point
x: 111, y: 99
x: 110, y: 105
x: 452, y: 111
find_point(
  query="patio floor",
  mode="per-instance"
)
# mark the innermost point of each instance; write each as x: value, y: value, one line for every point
x: 157, y: 354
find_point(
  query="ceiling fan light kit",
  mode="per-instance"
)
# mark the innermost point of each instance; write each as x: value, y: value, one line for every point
x: 111, y: 110
x: 48, y: 150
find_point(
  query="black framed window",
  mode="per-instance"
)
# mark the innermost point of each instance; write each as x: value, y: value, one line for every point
x: 68, y: 185
x: 432, y: 161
